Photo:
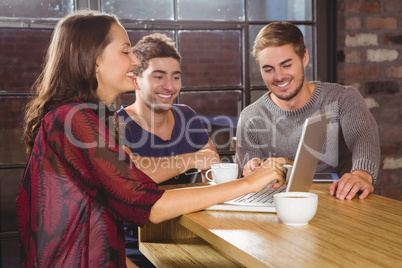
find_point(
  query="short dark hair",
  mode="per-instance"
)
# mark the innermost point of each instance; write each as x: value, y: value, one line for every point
x: 154, y: 46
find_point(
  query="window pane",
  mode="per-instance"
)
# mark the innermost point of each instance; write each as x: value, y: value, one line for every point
x: 255, y: 76
x: 309, y: 41
x: 23, y: 51
x: 220, y: 111
x: 136, y: 35
x: 210, y: 58
x: 10, y: 253
x: 211, y: 10
x: 36, y: 9
x: 140, y: 9
x: 12, y: 149
x: 10, y: 180
x: 279, y: 10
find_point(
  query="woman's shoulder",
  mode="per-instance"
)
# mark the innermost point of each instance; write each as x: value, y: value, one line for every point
x: 70, y: 104
x: 71, y: 108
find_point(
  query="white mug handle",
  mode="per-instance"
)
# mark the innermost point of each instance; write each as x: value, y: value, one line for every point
x: 206, y: 175
x: 289, y: 170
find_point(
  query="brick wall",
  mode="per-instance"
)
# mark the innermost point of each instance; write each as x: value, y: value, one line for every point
x: 369, y: 44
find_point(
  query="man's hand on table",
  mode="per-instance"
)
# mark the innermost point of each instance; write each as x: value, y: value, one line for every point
x: 344, y: 188
x: 351, y: 183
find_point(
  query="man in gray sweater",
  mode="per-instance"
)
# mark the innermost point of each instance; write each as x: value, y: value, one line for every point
x: 271, y: 126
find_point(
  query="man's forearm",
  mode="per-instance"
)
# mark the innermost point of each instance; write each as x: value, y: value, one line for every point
x: 161, y: 169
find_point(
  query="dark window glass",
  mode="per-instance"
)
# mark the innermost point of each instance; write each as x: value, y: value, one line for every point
x: 36, y: 9
x: 210, y: 58
x: 140, y: 9
x: 10, y: 180
x: 10, y: 253
x: 255, y: 76
x: 219, y: 110
x: 221, y: 10
x: 12, y: 149
x: 294, y: 10
x: 309, y: 37
x: 22, y: 55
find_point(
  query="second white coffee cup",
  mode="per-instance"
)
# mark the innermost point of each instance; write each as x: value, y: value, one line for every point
x: 296, y: 208
x: 222, y: 172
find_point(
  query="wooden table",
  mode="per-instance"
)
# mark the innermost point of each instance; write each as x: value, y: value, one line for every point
x: 343, y: 233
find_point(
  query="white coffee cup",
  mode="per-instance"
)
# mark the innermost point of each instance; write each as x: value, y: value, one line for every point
x: 296, y: 208
x: 223, y: 172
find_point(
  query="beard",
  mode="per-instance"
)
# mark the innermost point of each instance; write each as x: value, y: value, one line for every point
x: 292, y: 95
x: 159, y: 108
x: 156, y: 107
x: 299, y: 86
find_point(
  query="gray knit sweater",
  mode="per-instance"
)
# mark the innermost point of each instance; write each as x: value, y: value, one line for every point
x: 352, y: 143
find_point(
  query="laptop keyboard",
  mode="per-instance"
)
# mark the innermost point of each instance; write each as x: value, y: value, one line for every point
x: 266, y: 196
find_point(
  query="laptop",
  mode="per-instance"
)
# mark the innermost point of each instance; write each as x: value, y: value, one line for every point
x: 301, y: 177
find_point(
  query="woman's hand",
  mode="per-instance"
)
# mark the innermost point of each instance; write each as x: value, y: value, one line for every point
x: 251, y: 166
x: 270, y: 170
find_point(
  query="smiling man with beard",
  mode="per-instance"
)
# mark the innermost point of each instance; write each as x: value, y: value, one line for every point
x: 272, y: 125
x: 153, y: 126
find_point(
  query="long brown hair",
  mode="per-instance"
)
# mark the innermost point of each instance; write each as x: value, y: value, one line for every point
x: 69, y: 69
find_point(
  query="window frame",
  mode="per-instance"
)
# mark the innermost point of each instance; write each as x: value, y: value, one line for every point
x: 324, y: 19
